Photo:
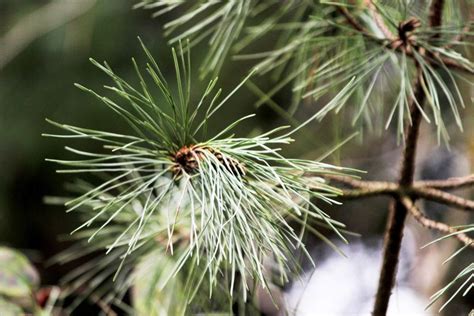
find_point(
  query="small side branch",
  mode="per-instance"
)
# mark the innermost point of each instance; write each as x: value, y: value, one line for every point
x: 442, y: 197
x: 448, y: 184
x: 360, y: 184
x: 366, y: 193
x: 352, y: 20
x: 429, y: 190
x: 421, y: 218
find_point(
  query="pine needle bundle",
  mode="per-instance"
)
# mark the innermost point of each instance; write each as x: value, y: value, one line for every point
x: 217, y: 206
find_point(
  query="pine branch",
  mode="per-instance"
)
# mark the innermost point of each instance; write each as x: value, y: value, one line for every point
x: 355, y: 183
x: 442, y: 197
x: 432, y: 224
x: 216, y: 206
x: 448, y: 184
x: 352, y: 20
x: 398, y: 212
x: 392, y: 38
x: 420, y: 189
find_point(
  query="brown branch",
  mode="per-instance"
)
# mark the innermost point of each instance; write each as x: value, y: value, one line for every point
x: 448, y: 62
x: 448, y: 184
x: 355, y: 183
x: 352, y: 20
x: 420, y: 189
x: 368, y: 192
x: 432, y: 224
x: 398, y: 212
x: 391, y: 189
x: 436, y: 195
x: 436, y: 15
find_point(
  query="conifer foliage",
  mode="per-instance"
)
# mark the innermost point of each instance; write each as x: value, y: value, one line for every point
x: 210, y: 219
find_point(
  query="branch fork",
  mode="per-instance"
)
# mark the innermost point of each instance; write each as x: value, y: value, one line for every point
x: 431, y: 190
x: 406, y: 191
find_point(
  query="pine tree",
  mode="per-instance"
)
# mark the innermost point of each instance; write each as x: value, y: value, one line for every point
x: 194, y: 223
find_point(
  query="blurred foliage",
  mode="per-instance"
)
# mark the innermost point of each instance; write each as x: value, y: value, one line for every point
x: 20, y: 286
x: 18, y: 278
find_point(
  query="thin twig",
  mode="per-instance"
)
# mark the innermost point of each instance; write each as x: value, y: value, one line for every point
x: 366, y: 193
x: 355, y: 183
x: 426, y: 193
x: 448, y: 184
x: 432, y: 224
x: 420, y: 189
x: 436, y: 195
x: 352, y: 20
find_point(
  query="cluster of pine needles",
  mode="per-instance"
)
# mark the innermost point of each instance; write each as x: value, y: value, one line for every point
x: 217, y: 208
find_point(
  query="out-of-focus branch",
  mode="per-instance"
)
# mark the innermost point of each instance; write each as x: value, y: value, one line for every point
x: 367, y: 192
x: 420, y: 189
x: 352, y: 20
x: 448, y: 184
x: 355, y: 183
x: 38, y: 23
x: 432, y: 224
x: 442, y: 197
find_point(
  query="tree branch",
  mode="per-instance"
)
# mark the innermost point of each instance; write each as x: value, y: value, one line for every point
x: 448, y: 184
x: 432, y: 224
x: 352, y: 20
x: 420, y: 189
x: 442, y: 197
x: 368, y: 192
x: 398, y: 212
x: 356, y: 183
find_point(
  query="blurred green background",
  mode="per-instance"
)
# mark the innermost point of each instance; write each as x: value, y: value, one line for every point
x: 42, y: 53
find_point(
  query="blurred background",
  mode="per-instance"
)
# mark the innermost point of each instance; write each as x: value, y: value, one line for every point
x: 44, y: 49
